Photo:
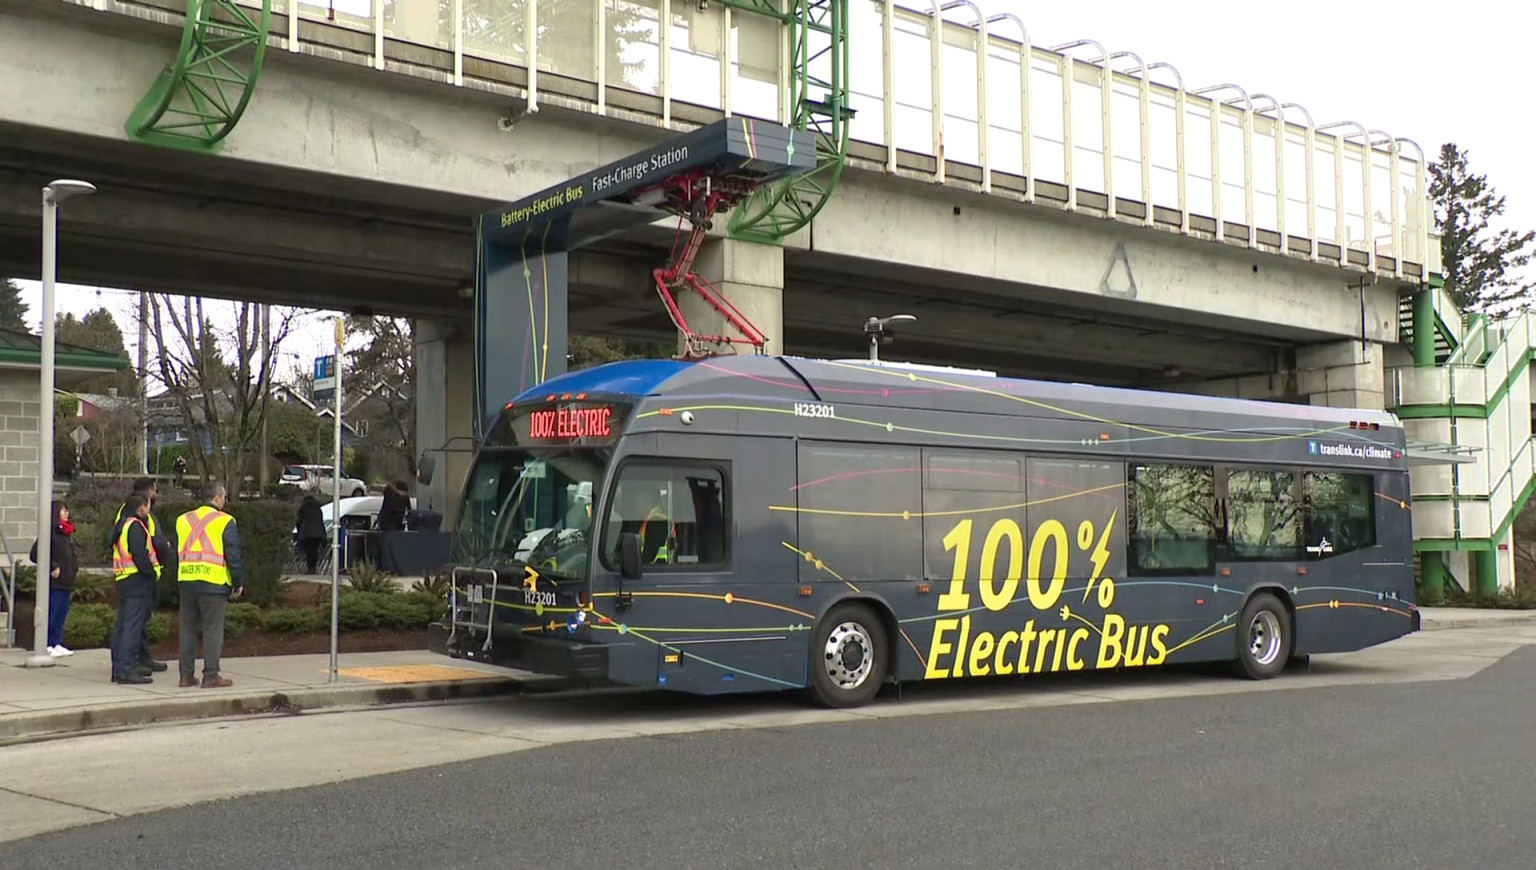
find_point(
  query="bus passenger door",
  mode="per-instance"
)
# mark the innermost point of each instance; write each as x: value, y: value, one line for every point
x: 693, y: 619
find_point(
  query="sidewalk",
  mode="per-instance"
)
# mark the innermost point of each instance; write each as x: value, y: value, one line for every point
x: 1442, y: 618
x: 78, y: 695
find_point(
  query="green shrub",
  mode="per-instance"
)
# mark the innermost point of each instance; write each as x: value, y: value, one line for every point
x: 25, y: 575
x: 241, y: 615
x: 159, y: 627
x: 291, y: 620
x: 244, y: 613
x: 360, y: 611
x: 88, y: 626
x: 435, y: 585
x: 436, y: 608
x: 397, y: 611
x: 91, y: 541
x: 367, y: 577
x: 90, y: 587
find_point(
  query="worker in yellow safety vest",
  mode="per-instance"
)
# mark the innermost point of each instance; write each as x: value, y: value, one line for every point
x: 209, y: 572
x: 663, y: 531
x: 134, y: 566
x: 165, y: 556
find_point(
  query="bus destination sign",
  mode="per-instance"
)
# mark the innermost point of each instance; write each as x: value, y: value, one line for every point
x: 568, y: 424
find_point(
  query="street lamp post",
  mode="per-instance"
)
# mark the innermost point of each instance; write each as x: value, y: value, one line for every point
x: 55, y: 193
x: 879, y: 327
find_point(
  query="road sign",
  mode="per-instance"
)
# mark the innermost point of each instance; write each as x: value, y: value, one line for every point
x: 79, y: 436
x: 325, y: 378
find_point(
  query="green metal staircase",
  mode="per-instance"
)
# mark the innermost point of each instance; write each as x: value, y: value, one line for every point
x: 1469, y: 387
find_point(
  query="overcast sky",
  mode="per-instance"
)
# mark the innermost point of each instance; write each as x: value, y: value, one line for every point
x: 1432, y: 74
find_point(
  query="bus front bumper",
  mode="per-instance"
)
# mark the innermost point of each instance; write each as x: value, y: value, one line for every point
x: 538, y: 655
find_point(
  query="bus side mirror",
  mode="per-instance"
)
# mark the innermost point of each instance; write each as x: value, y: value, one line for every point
x: 629, y: 556
x: 424, y: 468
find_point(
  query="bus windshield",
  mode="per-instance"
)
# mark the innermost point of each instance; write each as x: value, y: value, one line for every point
x: 531, y: 507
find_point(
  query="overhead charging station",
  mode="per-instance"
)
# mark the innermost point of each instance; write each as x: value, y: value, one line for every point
x: 522, y: 250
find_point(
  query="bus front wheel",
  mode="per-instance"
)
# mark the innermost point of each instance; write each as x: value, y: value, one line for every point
x: 848, y: 656
x: 1264, y: 638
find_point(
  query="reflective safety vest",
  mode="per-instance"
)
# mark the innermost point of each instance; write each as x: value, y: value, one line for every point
x: 122, y: 560
x: 152, y: 532
x: 200, y: 547
x: 661, y: 552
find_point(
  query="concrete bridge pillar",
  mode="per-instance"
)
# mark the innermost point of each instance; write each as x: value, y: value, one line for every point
x: 1346, y: 374
x: 445, y: 411
x: 750, y: 276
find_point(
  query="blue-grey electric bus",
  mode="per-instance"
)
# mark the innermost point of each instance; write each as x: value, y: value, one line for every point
x: 751, y: 523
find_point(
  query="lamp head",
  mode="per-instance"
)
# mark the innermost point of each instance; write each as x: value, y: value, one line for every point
x: 64, y: 188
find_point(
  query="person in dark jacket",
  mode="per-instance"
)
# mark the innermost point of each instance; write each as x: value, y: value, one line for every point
x: 309, y: 529
x: 134, y: 569
x: 65, y: 564
x: 397, y: 501
x: 165, y: 555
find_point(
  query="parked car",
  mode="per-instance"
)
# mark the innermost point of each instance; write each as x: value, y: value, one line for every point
x: 317, y: 479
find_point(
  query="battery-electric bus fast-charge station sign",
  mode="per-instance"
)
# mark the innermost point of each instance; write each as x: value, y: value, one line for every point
x: 522, y: 248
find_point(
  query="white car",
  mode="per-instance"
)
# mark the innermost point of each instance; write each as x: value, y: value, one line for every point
x: 317, y: 479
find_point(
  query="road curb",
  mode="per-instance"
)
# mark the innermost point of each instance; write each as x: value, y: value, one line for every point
x: 1445, y: 624
x: 21, y: 727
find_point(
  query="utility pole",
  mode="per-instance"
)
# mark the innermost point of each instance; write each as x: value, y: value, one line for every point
x: 336, y: 527
x: 266, y: 384
x: 143, y: 382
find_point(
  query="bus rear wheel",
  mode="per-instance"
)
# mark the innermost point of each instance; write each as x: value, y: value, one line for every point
x: 848, y: 656
x: 1264, y: 638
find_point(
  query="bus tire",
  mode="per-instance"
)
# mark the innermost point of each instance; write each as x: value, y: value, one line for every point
x: 848, y: 656
x: 1263, y: 638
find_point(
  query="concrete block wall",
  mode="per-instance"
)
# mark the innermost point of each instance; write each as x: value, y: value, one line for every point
x: 1346, y: 374
x: 19, y: 408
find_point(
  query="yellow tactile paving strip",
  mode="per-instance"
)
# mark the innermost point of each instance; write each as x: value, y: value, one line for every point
x: 413, y: 674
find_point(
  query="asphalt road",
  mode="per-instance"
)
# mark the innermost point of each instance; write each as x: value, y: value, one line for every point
x: 1424, y: 774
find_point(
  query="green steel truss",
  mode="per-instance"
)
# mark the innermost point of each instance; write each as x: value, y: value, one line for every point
x: 818, y: 40
x: 200, y: 95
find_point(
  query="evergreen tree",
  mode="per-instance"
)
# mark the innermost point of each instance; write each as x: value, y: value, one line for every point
x: 98, y: 330
x: 13, y: 312
x: 1480, y: 264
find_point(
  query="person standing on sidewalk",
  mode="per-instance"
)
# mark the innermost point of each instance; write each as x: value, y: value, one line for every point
x: 61, y: 585
x: 165, y: 555
x: 309, y: 528
x: 134, y: 566
x: 209, y: 568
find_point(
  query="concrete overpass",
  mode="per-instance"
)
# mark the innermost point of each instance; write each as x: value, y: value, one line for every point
x: 1085, y: 244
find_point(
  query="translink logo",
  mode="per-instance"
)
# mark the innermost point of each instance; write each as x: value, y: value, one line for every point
x: 1312, y: 447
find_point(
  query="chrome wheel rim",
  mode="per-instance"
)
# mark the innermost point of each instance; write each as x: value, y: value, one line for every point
x: 1264, y: 639
x: 849, y: 655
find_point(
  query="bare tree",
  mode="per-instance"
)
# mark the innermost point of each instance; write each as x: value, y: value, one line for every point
x: 220, y: 379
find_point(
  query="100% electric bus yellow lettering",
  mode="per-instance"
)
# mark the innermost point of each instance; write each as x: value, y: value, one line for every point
x: 954, y: 652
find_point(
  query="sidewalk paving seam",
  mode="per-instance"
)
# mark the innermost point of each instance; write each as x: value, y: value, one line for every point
x: 39, y: 797
x: 384, y: 714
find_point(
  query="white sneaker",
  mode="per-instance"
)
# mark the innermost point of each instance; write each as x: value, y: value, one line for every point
x: 56, y: 652
x: 64, y: 650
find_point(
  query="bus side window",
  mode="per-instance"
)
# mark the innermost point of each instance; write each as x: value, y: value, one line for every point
x: 1340, y: 513
x: 678, y: 512
x: 1263, y: 523
x: 1171, y: 519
